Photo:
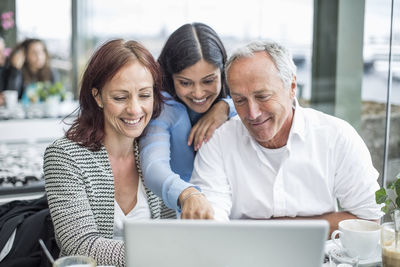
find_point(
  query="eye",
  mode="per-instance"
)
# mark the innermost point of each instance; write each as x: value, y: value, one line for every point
x: 119, y: 98
x: 209, y: 81
x: 263, y: 97
x: 185, y: 83
x: 146, y: 95
x: 239, y: 101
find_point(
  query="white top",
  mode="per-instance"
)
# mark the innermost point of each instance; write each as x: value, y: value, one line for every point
x: 324, y: 160
x: 140, y: 212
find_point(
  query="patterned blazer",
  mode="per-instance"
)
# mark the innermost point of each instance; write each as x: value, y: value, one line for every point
x: 80, y: 192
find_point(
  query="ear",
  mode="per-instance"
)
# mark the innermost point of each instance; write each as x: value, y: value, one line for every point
x: 293, y: 87
x: 96, y: 96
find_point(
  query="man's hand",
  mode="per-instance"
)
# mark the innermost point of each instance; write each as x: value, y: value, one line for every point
x: 195, y: 205
x: 205, y: 127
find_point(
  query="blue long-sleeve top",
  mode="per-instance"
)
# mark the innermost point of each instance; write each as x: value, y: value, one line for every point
x: 167, y: 160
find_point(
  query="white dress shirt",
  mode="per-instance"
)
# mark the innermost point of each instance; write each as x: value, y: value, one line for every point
x: 140, y: 212
x: 324, y: 160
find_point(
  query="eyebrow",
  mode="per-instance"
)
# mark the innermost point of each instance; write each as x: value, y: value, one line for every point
x: 146, y: 88
x: 126, y: 91
x: 205, y: 77
x: 254, y: 93
x: 209, y: 75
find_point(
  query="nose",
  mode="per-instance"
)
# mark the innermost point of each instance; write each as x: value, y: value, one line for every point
x: 197, y: 92
x: 253, y: 110
x: 133, y: 106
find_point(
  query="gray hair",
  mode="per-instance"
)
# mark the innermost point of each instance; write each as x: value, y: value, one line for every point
x: 280, y: 55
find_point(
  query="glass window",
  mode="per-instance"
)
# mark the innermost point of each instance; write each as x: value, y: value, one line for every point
x: 50, y: 21
x: 375, y: 85
x: 235, y: 22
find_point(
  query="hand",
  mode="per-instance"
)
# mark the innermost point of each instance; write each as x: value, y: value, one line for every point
x: 205, y: 127
x: 195, y: 205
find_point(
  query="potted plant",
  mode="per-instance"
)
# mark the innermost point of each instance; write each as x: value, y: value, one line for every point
x: 390, y: 235
x: 51, y: 94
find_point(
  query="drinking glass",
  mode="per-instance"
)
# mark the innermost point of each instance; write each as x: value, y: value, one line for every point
x: 390, y: 245
x: 75, y: 261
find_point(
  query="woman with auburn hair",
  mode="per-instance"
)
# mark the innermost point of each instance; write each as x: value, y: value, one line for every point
x: 192, y: 61
x: 93, y: 175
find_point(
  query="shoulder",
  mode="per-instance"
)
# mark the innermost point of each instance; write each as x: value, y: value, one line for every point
x: 230, y: 130
x: 172, y: 112
x: 330, y: 128
x: 319, y: 120
x: 69, y: 151
x: 66, y: 144
x: 170, y: 104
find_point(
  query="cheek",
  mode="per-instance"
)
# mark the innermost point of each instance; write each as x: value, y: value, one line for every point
x: 217, y: 87
x: 148, y: 107
x: 241, y: 111
x: 180, y: 92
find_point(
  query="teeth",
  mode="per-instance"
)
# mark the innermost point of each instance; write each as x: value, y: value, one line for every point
x: 131, y: 121
x: 199, y: 100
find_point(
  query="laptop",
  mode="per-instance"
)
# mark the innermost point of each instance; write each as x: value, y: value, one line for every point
x: 239, y: 243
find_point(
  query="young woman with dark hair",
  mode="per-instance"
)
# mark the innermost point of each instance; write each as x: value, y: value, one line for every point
x: 192, y: 61
x: 30, y: 66
x: 93, y: 175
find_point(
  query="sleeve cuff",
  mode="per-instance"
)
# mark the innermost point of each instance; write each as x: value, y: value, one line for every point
x: 232, y: 110
x: 171, y: 195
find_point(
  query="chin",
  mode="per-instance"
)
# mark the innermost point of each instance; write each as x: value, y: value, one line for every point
x: 200, y: 109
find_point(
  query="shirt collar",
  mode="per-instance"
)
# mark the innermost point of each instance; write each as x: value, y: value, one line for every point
x: 298, y: 123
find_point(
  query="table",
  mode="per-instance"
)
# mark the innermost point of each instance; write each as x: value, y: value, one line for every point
x: 22, y: 145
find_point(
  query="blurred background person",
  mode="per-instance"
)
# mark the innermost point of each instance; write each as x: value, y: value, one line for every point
x: 2, y: 68
x: 28, y: 63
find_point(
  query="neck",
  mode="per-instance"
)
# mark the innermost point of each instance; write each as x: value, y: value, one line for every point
x: 119, y: 148
x: 282, y: 136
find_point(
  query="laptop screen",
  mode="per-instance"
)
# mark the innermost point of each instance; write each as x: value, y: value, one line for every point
x: 240, y: 243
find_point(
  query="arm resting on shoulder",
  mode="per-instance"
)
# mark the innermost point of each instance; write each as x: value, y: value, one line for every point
x: 203, y: 130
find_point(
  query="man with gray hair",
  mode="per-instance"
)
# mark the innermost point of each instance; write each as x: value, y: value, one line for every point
x: 278, y: 159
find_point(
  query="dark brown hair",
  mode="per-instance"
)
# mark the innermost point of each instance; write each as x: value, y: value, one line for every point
x: 42, y: 75
x: 188, y: 45
x: 88, y: 128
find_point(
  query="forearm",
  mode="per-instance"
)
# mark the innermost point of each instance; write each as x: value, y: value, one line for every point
x: 333, y: 218
x: 232, y: 110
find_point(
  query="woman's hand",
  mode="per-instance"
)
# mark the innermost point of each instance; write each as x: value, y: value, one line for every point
x: 195, y: 205
x: 205, y: 127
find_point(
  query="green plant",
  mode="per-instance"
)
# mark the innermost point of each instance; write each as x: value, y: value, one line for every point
x: 47, y: 89
x: 391, y: 201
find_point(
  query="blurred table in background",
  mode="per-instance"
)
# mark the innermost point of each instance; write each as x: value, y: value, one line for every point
x: 22, y: 145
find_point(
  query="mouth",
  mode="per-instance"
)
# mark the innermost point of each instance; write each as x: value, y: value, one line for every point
x: 258, y: 123
x: 131, y: 122
x: 199, y: 101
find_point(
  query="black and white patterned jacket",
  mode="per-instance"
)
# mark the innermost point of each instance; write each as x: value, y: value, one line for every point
x: 80, y: 192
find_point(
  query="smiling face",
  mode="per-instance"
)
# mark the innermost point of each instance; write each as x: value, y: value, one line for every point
x: 198, y: 85
x: 262, y: 102
x: 127, y: 102
x: 36, y: 56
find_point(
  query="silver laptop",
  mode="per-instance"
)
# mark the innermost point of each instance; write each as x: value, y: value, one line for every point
x: 239, y: 243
